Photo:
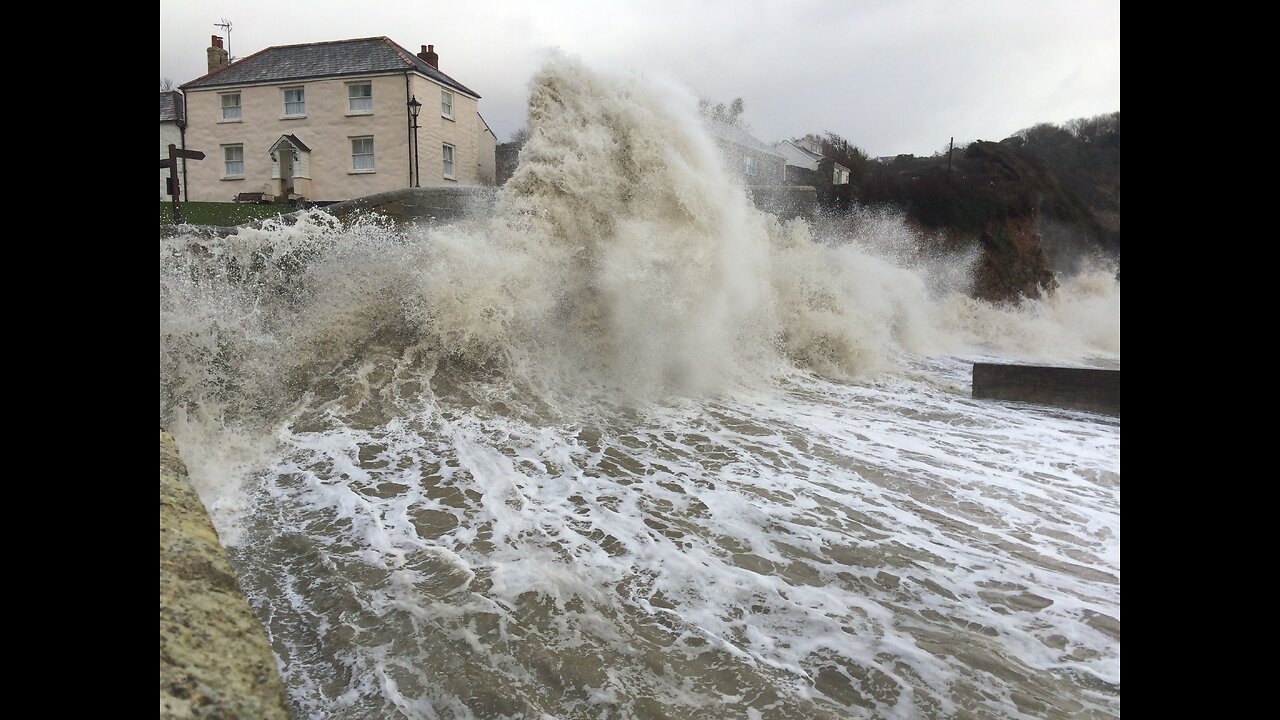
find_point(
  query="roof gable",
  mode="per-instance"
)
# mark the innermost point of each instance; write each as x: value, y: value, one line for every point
x: 799, y: 156
x: 338, y: 58
x: 289, y: 140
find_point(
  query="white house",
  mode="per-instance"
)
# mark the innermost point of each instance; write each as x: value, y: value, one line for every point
x: 806, y: 164
x: 332, y: 121
x: 758, y: 163
x: 172, y: 127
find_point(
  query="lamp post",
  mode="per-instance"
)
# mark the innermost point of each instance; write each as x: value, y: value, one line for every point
x: 415, y: 107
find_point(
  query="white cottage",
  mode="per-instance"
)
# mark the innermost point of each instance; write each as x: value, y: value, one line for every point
x: 332, y: 121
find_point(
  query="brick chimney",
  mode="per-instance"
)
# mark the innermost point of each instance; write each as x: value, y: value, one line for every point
x: 429, y: 56
x: 217, y: 55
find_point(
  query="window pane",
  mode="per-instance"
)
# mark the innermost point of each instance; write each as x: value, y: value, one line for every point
x: 295, y: 102
x: 361, y: 153
x: 233, y: 155
x: 448, y: 161
x: 360, y: 96
x: 446, y: 103
x: 231, y: 106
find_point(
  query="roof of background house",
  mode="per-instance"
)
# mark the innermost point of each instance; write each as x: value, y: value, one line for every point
x: 738, y: 136
x: 799, y: 156
x: 171, y: 106
x: 320, y: 60
x: 805, y: 150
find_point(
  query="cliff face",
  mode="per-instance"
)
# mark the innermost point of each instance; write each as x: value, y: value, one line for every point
x: 214, y: 658
x: 1003, y: 198
x: 1013, y: 263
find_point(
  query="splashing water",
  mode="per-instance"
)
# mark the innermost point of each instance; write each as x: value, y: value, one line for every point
x: 632, y: 448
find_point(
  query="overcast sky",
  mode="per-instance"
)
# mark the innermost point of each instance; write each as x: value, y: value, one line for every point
x: 891, y: 76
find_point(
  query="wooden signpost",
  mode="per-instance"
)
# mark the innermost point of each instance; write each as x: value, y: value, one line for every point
x: 171, y: 162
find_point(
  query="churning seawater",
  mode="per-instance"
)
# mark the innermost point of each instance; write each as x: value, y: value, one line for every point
x: 632, y: 449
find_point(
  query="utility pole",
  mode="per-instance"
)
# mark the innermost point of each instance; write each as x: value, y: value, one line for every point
x: 950, y: 149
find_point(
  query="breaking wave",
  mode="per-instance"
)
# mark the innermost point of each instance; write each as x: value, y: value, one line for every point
x: 621, y: 417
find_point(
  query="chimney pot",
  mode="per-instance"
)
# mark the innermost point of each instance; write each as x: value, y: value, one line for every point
x: 429, y: 56
x: 217, y: 54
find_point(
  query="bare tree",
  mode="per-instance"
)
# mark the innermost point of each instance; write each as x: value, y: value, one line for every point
x: 166, y: 84
x: 729, y: 115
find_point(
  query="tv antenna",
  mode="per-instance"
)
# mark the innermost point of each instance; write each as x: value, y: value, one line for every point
x: 226, y: 27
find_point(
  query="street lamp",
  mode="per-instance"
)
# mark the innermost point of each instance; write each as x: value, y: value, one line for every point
x: 415, y: 107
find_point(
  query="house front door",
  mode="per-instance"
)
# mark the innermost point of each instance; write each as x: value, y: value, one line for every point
x: 286, y: 172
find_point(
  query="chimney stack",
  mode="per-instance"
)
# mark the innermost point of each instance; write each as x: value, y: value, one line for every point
x: 217, y: 55
x: 429, y: 56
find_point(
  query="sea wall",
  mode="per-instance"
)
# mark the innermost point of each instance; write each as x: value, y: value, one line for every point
x: 452, y: 203
x: 785, y: 201
x: 1089, y: 389
x: 438, y: 203
x: 214, y: 658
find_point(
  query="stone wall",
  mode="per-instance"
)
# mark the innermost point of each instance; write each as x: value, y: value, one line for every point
x: 453, y: 203
x: 785, y: 201
x: 441, y: 203
x: 214, y: 658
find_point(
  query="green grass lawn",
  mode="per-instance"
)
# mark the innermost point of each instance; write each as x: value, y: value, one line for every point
x: 221, y: 213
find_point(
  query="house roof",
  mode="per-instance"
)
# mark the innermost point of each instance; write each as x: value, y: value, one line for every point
x: 171, y: 107
x: 738, y: 136
x: 802, y: 157
x: 799, y: 156
x: 321, y: 60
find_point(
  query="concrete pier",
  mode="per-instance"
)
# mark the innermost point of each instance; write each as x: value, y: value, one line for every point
x: 1091, y: 389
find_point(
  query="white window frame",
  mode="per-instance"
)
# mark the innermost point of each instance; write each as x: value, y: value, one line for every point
x: 302, y: 90
x: 371, y: 154
x: 239, y: 107
x: 749, y: 166
x: 449, y: 156
x: 351, y: 109
x: 226, y: 162
x: 446, y: 103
